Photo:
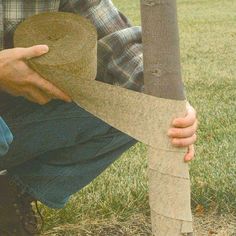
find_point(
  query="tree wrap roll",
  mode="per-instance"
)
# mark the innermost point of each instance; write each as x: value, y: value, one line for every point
x: 72, y: 41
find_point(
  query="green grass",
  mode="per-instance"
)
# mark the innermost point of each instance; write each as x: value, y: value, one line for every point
x: 208, y: 53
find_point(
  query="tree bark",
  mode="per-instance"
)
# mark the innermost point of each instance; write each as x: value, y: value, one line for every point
x: 169, y: 191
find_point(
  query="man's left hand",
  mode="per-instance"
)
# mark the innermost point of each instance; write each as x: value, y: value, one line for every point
x: 183, y: 132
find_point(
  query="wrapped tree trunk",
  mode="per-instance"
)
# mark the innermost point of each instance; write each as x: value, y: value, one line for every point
x: 71, y: 65
x: 169, y: 185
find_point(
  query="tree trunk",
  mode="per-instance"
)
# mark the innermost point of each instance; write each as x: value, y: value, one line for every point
x: 169, y: 184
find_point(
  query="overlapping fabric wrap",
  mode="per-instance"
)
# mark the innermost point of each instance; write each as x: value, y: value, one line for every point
x: 71, y: 65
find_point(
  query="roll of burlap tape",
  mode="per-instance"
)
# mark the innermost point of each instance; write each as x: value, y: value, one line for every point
x: 72, y: 41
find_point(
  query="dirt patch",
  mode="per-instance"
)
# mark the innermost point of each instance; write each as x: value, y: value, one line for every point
x: 139, y: 225
x: 215, y: 225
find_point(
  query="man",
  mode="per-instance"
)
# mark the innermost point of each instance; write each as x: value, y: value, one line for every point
x: 57, y: 147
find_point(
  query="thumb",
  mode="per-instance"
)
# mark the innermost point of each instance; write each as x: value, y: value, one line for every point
x: 34, y: 51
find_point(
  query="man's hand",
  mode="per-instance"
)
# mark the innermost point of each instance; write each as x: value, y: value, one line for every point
x: 17, y: 79
x: 183, y: 132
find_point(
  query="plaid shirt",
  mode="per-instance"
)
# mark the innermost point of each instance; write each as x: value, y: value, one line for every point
x: 119, y: 43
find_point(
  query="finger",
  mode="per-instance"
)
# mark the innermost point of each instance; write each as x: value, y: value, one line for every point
x: 190, y: 154
x: 27, y: 53
x: 31, y: 99
x: 186, y: 121
x: 184, y: 142
x: 49, y: 88
x: 183, y: 132
x: 38, y: 97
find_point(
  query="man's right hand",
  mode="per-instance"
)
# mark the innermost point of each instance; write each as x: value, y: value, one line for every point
x: 17, y: 79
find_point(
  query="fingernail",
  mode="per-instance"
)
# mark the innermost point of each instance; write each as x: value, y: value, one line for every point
x: 187, y: 159
x: 174, y: 142
x: 169, y: 133
x: 68, y: 99
x: 44, y: 48
x: 175, y: 123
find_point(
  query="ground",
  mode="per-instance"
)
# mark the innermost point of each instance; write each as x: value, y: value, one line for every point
x: 116, y: 203
x: 139, y: 225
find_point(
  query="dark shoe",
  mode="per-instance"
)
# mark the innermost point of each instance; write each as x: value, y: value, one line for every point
x: 16, y: 214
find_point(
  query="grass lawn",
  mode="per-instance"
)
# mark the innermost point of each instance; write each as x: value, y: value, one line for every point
x: 116, y: 203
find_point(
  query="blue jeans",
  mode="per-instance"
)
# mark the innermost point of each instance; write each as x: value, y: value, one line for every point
x: 58, y: 148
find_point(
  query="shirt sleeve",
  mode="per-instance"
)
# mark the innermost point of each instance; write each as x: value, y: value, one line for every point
x: 120, y: 58
x: 6, y: 137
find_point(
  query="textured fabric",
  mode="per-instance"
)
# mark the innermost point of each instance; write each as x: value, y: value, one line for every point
x: 1, y: 25
x: 14, y: 11
x: 119, y: 43
x: 5, y: 137
x: 58, y: 148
